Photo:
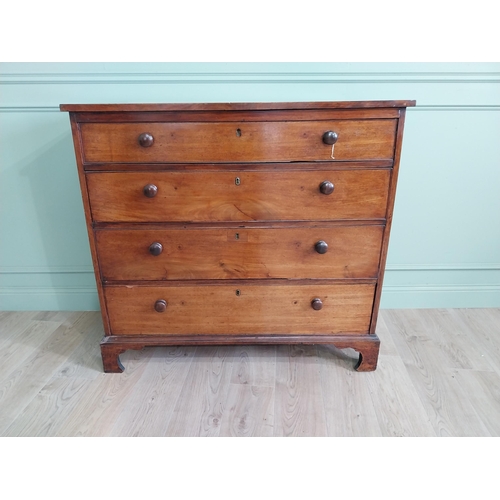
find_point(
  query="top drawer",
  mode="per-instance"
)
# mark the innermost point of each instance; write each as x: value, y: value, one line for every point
x: 219, y: 142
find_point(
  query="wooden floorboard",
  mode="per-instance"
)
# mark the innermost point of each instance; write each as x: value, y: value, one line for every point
x: 298, y: 408
x: 438, y: 375
x: 203, y: 399
x: 250, y: 402
x: 150, y: 407
x: 349, y: 410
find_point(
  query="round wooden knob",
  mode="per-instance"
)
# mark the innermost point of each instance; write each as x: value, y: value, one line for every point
x: 316, y: 304
x: 146, y: 140
x: 150, y: 190
x: 155, y: 248
x: 160, y: 306
x: 330, y: 137
x: 326, y: 187
x: 321, y: 246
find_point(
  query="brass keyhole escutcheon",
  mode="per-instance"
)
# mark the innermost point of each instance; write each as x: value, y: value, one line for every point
x: 238, y: 293
x: 237, y: 181
x: 238, y: 132
x: 237, y: 236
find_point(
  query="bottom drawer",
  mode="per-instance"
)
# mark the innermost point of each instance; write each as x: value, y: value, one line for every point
x: 240, y: 309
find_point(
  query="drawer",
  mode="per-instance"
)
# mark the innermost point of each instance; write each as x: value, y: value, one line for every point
x: 201, y: 196
x: 241, y: 253
x: 239, y: 309
x: 270, y: 141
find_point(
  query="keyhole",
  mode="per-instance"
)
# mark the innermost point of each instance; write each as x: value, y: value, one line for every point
x: 238, y: 132
x: 237, y: 236
x: 238, y: 293
x: 237, y: 181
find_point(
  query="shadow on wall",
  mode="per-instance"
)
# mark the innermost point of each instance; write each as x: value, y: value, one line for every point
x: 54, y: 191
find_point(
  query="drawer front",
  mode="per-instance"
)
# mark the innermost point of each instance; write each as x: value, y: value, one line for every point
x: 240, y: 309
x: 197, y: 142
x: 200, y: 196
x: 176, y: 254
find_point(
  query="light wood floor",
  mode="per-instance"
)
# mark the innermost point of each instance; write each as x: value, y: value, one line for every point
x: 438, y: 375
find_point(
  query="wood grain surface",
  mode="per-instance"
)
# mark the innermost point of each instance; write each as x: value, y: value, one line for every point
x: 346, y: 396
x: 261, y: 115
x: 427, y: 364
x: 238, y: 223
x: 200, y: 196
x: 163, y: 381
x: 234, y: 106
x: 239, y: 309
x: 235, y: 142
x: 30, y: 370
x: 295, y: 412
x: 353, y: 252
x: 388, y: 217
x: 56, y: 387
x: 202, y: 401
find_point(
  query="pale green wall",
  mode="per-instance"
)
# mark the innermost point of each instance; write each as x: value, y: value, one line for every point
x: 445, y: 245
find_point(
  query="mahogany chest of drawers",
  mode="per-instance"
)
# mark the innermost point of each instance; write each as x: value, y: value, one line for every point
x: 239, y: 223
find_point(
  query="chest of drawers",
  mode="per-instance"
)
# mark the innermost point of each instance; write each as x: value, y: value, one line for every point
x: 239, y: 223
